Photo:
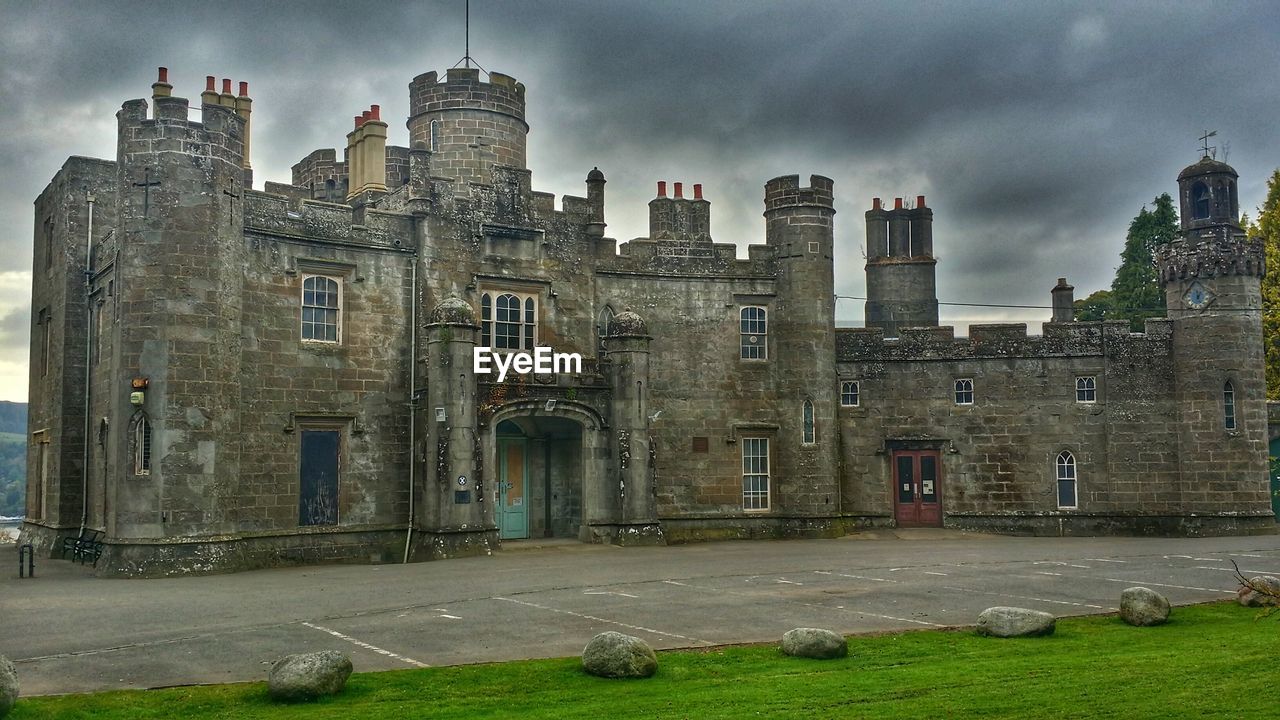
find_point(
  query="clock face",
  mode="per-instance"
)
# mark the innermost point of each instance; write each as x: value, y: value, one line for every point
x: 1197, y: 297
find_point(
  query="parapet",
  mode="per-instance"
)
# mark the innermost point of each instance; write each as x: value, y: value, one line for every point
x: 785, y: 191
x: 284, y: 216
x: 463, y: 89
x: 219, y: 134
x: 1198, y: 258
x: 1002, y: 340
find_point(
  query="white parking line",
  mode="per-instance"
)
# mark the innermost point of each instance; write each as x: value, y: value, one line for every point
x: 1180, y: 587
x: 603, y: 620
x: 855, y: 577
x: 1025, y: 597
x: 926, y: 572
x: 365, y: 645
x: 1105, y: 560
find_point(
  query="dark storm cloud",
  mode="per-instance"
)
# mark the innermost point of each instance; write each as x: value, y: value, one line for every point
x: 1035, y: 130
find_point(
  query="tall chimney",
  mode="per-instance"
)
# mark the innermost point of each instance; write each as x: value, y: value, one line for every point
x: 227, y: 99
x: 210, y: 94
x: 161, y: 87
x: 1064, y: 306
x: 662, y: 188
x: 679, y: 191
x: 244, y: 108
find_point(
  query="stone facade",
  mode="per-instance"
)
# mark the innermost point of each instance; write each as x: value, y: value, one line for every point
x: 286, y: 376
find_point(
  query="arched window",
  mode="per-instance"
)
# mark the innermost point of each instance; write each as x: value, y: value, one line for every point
x: 964, y: 391
x: 321, y: 304
x: 602, y: 324
x: 850, y: 393
x: 435, y: 135
x: 508, y: 321
x: 1066, y: 480
x: 754, y: 333
x: 809, y: 434
x: 1199, y: 201
x: 1228, y: 405
x: 142, y: 446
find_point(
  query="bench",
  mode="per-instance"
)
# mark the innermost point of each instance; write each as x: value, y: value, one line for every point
x: 88, y: 546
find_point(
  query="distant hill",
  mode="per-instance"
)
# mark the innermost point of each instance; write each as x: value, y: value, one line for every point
x: 13, y: 458
x: 13, y: 417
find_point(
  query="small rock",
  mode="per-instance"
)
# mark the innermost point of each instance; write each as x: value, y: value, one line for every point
x: 814, y: 643
x: 8, y: 686
x: 309, y: 675
x: 1143, y: 607
x: 1014, y: 622
x: 614, y: 655
x: 1253, y: 598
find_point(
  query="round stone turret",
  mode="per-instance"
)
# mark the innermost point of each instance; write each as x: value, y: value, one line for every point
x: 627, y: 324
x: 469, y: 125
x: 453, y: 311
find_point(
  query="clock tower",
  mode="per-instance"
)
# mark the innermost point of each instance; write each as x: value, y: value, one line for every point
x: 1212, y: 279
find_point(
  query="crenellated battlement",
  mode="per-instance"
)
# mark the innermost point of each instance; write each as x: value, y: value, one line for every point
x: 1210, y: 257
x: 462, y: 88
x: 285, y: 216
x: 999, y: 340
x: 219, y: 134
x: 785, y: 191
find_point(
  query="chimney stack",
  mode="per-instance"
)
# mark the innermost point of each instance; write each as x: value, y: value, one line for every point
x: 161, y: 87
x: 697, y: 191
x: 1064, y: 306
x: 210, y: 94
x: 662, y: 188
x: 244, y: 108
x: 679, y: 191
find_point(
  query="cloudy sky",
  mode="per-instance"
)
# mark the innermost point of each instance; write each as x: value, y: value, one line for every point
x: 1037, y: 131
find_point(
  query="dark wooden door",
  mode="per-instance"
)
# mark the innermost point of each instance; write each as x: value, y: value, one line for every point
x: 917, y: 488
x: 318, y: 478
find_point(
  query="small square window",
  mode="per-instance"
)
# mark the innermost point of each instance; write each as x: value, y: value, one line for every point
x: 964, y: 391
x: 813, y: 247
x: 850, y: 393
x: 1086, y: 389
x: 700, y: 444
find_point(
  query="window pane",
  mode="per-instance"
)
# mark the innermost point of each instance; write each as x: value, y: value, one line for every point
x: 906, y: 483
x: 1067, y: 493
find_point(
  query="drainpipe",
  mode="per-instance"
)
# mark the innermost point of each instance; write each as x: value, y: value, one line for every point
x: 88, y: 369
x: 413, y: 395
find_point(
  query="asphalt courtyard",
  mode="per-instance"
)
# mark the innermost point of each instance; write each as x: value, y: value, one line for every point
x: 68, y: 631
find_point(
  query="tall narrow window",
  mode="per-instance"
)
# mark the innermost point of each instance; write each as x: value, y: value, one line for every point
x: 849, y: 393
x: 602, y: 324
x: 321, y: 308
x: 508, y: 321
x: 1229, y: 405
x: 1086, y: 389
x: 1199, y: 201
x: 48, y: 243
x: 754, y: 333
x: 809, y: 434
x: 142, y: 447
x: 755, y: 473
x: 1066, y: 480
x: 46, y: 332
x: 435, y: 135
x: 964, y: 391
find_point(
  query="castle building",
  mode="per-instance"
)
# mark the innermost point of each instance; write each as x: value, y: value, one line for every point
x: 225, y: 378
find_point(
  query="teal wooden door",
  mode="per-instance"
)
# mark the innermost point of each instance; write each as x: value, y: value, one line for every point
x: 513, y: 510
x: 1275, y: 477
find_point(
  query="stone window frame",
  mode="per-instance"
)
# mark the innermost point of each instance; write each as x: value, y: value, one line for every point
x: 345, y: 426
x: 48, y: 243
x: 1229, y: 406
x: 962, y: 391
x: 808, y: 423
x: 855, y: 393
x: 1087, y: 389
x: 603, y: 318
x: 1066, y: 470
x: 45, y: 321
x: 527, y: 329
x: 338, y: 308
x: 142, y: 442
x: 41, y: 440
x: 745, y: 346
x: 1200, y: 194
x: 756, y: 494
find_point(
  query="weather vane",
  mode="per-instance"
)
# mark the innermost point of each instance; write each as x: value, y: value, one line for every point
x: 1205, y: 147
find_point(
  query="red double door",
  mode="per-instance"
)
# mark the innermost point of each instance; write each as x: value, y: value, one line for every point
x: 917, y: 489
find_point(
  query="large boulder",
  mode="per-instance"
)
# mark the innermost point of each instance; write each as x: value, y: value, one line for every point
x: 814, y: 643
x: 1014, y: 622
x: 8, y: 686
x: 614, y: 655
x: 309, y: 675
x: 1252, y: 598
x: 1143, y: 607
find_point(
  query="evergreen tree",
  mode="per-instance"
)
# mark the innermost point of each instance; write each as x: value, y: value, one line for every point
x: 1135, y: 293
x: 1098, y: 306
x: 1268, y: 227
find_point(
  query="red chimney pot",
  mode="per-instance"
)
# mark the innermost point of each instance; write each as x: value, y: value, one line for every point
x: 226, y: 86
x: 244, y: 89
x: 919, y: 201
x: 662, y: 188
x: 875, y: 203
x: 679, y: 191
x: 210, y: 84
x: 164, y: 75
x: 376, y: 112
x: 697, y: 191
x: 359, y: 120
x: 897, y: 203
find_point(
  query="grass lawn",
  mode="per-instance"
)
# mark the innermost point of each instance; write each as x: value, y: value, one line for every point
x: 1210, y: 661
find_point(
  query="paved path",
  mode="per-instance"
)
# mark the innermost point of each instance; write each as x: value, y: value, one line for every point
x: 69, y: 631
